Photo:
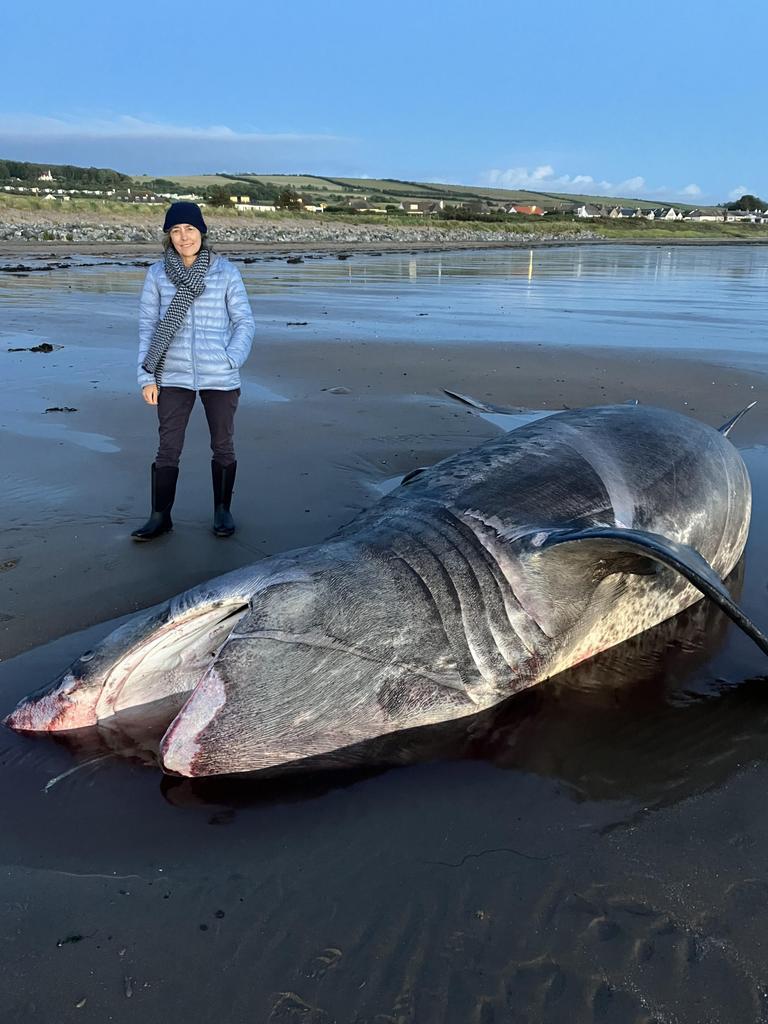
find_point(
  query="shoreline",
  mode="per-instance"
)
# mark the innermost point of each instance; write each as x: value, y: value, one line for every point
x: 58, y: 249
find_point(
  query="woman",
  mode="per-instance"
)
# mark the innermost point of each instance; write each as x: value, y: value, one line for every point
x: 195, y: 332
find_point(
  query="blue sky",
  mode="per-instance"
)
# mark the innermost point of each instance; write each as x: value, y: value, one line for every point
x: 657, y: 99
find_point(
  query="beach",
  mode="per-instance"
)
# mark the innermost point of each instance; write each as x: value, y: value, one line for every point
x: 594, y: 852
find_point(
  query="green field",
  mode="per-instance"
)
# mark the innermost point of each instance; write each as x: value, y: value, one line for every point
x: 395, y: 191
x: 644, y: 204
x: 301, y: 182
x: 190, y: 181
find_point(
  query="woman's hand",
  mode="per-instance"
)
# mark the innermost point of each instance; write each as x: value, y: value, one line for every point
x: 149, y: 393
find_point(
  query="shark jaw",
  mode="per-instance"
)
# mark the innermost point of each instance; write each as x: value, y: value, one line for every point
x: 170, y: 659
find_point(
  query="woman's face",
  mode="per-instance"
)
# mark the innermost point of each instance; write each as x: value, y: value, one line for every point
x: 186, y: 240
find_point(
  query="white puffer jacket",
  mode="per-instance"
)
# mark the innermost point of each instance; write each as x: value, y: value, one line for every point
x: 216, y: 334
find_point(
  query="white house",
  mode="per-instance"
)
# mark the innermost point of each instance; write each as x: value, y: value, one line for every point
x: 422, y: 207
x: 253, y: 207
x: 587, y: 210
x: 667, y: 213
x: 704, y: 215
x: 743, y: 217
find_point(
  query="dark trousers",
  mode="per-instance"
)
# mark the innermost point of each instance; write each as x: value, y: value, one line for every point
x: 173, y: 408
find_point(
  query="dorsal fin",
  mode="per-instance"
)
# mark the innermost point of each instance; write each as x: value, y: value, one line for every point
x: 473, y: 403
x: 726, y: 427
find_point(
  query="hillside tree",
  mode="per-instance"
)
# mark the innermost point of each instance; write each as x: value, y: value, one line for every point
x: 750, y: 203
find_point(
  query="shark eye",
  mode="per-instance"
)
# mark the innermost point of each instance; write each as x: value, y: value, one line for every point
x: 88, y: 656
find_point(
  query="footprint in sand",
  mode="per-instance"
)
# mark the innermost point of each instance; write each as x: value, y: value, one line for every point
x: 325, y: 961
x: 289, y: 1008
x: 615, y: 959
x: 545, y: 990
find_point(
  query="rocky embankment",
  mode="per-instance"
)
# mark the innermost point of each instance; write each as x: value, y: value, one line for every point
x: 278, y: 231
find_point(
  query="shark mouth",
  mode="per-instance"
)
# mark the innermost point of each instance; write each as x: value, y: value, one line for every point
x: 128, y: 671
x: 173, y: 661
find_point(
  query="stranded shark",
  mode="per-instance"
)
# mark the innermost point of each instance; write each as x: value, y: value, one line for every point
x: 474, y: 579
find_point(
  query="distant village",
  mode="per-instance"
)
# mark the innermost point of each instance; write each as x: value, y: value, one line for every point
x: 45, y: 189
x: 710, y: 213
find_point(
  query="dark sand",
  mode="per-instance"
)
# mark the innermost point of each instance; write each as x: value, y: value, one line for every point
x: 592, y: 851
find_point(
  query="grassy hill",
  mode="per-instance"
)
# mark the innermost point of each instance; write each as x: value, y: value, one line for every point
x: 328, y: 189
x: 395, y: 190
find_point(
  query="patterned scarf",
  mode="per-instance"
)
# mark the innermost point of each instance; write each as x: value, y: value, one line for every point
x: 190, y: 283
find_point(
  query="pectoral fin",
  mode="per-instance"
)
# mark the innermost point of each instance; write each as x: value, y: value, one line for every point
x: 731, y: 423
x: 615, y: 549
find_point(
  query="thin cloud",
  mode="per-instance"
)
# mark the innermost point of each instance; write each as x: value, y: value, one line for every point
x: 37, y: 128
x: 544, y: 179
x: 738, y: 192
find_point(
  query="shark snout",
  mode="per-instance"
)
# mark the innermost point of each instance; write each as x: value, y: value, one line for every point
x: 59, y: 708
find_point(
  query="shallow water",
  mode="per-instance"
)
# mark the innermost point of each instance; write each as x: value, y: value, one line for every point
x: 711, y: 298
x: 593, y: 850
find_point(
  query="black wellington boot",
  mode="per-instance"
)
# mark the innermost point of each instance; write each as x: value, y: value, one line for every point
x: 163, y: 494
x: 223, y: 483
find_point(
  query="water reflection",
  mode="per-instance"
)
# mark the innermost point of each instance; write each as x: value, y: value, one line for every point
x: 694, y: 298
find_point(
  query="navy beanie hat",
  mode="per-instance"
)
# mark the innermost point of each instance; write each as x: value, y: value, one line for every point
x: 185, y: 213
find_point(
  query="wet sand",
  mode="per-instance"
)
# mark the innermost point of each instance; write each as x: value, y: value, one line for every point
x: 591, y: 851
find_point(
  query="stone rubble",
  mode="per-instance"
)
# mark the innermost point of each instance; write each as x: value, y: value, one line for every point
x: 289, y: 231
